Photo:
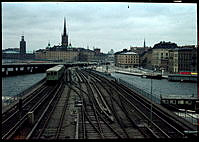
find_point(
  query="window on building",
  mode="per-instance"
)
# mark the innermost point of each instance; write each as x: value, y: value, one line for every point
x: 166, y: 101
x: 172, y: 101
x: 180, y: 101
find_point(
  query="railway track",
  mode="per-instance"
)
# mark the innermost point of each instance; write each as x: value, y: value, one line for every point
x: 123, y: 119
x: 42, y: 129
x: 102, y: 123
x: 15, y: 108
x: 17, y: 125
x: 163, y: 125
x: 85, y: 105
x: 11, y: 122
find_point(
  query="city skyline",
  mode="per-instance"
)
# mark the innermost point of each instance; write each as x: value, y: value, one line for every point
x: 101, y: 25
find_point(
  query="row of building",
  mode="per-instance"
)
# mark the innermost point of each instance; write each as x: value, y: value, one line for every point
x: 70, y: 54
x: 67, y: 53
x: 165, y: 56
x: 64, y: 52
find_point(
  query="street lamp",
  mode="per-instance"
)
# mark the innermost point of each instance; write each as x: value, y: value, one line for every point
x: 151, y: 97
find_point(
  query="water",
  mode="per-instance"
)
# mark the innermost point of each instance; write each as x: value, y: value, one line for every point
x: 14, y: 85
x: 160, y: 87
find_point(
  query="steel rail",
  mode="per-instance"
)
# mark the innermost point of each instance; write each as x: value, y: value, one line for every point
x: 16, y: 111
x: 14, y: 120
x: 112, y: 82
x: 103, y: 101
x: 44, y: 112
x: 90, y: 96
x: 138, y: 110
x: 108, y: 124
x: 63, y: 114
x: 112, y: 129
x: 155, y: 114
x: 15, y: 106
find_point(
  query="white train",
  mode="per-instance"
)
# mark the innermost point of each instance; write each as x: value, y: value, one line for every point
x: 54, y: 74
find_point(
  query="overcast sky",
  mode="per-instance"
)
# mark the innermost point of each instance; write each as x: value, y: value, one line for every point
x: 102, y: 25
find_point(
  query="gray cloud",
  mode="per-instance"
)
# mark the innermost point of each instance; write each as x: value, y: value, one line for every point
x: 103, y: 25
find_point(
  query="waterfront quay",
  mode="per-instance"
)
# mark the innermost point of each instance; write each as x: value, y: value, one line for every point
x: 87, y: 104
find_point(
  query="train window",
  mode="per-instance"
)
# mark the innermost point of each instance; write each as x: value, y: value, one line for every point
x: 48, y: 73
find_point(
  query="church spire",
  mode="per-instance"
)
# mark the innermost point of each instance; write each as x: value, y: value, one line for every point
x: 64, y: 33
x: 64, y: 36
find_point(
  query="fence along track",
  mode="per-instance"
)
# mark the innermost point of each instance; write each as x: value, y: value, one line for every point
x: 156, y: 110
x: 161, y: 122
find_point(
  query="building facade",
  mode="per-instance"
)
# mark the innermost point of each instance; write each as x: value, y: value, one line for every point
x: 65, y: 56
x: 183, y: 60
x: 127, y: 59
x: 160, y: 55
x: 86, y: 55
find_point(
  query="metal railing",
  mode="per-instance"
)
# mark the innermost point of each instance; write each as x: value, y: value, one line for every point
x: 155, y: 98
x: 16, y: 97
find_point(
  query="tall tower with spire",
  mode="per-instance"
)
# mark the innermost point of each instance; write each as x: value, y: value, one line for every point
x: 144, y: 43
x: 64, y: 36
x: 22, y: 46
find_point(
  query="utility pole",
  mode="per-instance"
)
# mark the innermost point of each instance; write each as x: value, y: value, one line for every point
x: 151, y: 101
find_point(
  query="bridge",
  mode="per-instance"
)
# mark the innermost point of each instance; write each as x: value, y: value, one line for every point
x: 9, y: 69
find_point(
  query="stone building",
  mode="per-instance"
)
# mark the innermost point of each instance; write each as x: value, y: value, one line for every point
x: 85, y: 55
x: 146, y: 59
x: 183, y: 59
x: 126, y: 59
x: 160, y: 55
x: 66, y: 56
